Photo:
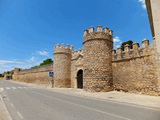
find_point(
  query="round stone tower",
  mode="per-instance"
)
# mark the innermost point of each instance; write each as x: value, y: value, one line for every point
x: 62, y: 66
x: 97, y: 57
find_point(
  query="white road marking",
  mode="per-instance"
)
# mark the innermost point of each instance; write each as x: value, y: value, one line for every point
x: 14, y: 87
x: 33, y: 87
x: 7, y: 99
x: 121, y: 117
x: 8, y: 88
x: 19, y: 114
x: 1, y: 89
x: 12, y: 105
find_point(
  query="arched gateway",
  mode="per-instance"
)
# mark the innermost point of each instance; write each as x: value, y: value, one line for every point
x: 80, y: 79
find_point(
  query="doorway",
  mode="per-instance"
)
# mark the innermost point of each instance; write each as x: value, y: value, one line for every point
x: 80, y: 79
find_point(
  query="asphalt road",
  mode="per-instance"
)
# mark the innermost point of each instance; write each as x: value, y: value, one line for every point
x: 29, y: 103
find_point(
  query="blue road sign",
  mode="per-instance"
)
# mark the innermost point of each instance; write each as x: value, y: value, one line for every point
x: 51, y: 74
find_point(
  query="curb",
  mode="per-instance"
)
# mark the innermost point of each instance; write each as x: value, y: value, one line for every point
x: 4, y: 107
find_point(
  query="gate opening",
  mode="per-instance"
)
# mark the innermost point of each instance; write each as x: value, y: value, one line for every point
x: 80, y: 79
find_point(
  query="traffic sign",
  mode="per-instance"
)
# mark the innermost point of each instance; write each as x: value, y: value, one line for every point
x: 51, y: 74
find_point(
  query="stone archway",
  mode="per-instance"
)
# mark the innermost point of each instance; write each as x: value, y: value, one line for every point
x: 80, y: 79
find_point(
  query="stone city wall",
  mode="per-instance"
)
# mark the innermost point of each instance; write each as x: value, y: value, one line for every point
x: 134, y: 70
x: 38, y: 75
x: 158, y: 68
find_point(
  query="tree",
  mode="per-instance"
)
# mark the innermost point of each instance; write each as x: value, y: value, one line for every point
x: 45, y: 62
x: 34, y: 67
x: 129, y: 42
x: 1, y: 75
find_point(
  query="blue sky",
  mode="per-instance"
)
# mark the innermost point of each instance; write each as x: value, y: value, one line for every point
x: 30, y: 28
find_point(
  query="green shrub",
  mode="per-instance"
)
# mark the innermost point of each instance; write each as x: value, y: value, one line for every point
x: 129, y: 42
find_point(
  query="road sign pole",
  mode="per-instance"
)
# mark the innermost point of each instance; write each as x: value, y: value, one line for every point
x: 52, y: 81
x: 51, y: 74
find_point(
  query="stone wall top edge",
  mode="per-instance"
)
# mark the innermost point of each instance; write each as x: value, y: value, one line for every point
x: 134, y: 51
x: 135, y: 46
x: 23, y: 73
x: 64, y: 46
x: 76, y: 54
x: 77, y: 51
x: 131, y: 58
x: 43, y: 68
x: 98, y: 29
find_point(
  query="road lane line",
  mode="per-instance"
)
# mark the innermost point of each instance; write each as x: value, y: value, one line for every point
x: 24, y: 87
x: 8, y: 88
x: 14, y: 87
x: 1, y: 89
x: 20, y: 115
x: 20, y: 87
x: 12, y: 105
x: 121, y: 117
x: 7, y: 99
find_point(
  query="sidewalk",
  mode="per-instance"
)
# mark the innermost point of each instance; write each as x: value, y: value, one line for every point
x: 135, y: 99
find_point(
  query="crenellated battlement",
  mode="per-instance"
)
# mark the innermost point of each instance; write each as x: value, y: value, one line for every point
x: 79, y: 51
x: 76, y: 53
x: 136, y: 51
x: 100, y: 33
x: 62, y: 48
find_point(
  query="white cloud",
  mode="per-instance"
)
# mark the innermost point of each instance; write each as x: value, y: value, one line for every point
x: 116, y: 39
x: 117, y: 42
x: 43, y: 53
x: 117, y: 46
x: 32, y: 59
x: 143, y: 3
x: 8, y: 65
x: 7, y: 61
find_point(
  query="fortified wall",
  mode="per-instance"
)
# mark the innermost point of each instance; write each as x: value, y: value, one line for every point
x: 38, y: 75
x: 7, y: 75
x: 133, y: 69
x: 98, y: 68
